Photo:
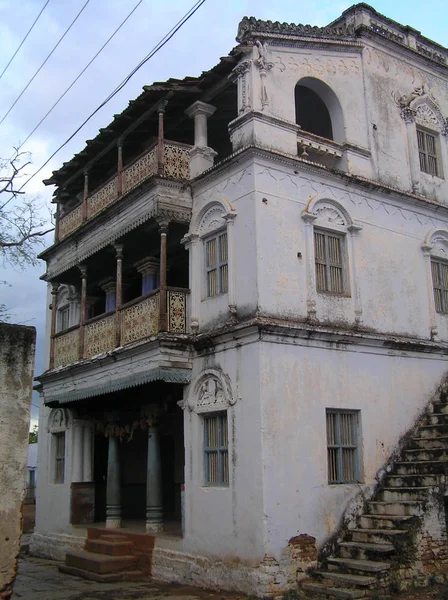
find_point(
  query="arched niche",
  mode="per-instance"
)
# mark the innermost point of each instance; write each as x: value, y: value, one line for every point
x: 318, y: 109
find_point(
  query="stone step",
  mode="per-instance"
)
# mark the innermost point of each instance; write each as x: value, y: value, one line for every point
x: 418, y: 454
x: 334, y: 592
x: 112, y: 537
x: 403, y: 493
x: 112, y: 548
x: 421, y: 467
x: 364, y: 550
x: 347, y: 580
x: 403, y: 508
x: 376, y: 536
x: 433, y: 430
x: 98, y: 577
x: 412, y: 480
x: 440, y: 407
x: 429, y: 443
x: 436, y: 418
x: 99, y: 563
x: 359, y: 566
x: 384, y: 521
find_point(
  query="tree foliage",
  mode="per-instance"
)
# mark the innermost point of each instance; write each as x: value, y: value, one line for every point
x: 22, y: 221
x: 32, y: 435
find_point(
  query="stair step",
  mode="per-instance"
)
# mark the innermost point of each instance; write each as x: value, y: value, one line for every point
x: 98, y: 577
x: 112, y: 537
x: 403, y: 508
x: 337, y: 592
x: 367, y: 566
x: 376, y: 536
x: 99, y: 563
x: 403, y: 493
x: 384, y: 521
x: 346, y: 579
x: 432, y: 430
x: 430, y: 443
x: 419, y: 454
x: 384, y: 548
x: 440, y: 407
x: 412, y: 480
x: 115, y: 548
x: 437, y: 418
x: 430, y: 467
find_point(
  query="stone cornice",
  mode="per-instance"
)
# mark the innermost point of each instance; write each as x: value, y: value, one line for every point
x: 251, y: 28
x: 270, y: 329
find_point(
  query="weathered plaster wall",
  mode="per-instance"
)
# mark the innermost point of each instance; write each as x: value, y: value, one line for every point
x: 298, y: 382
x: 17, y: 346
x: 386, y: 266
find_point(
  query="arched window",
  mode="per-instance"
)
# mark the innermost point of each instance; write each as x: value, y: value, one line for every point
x: 312, y: 113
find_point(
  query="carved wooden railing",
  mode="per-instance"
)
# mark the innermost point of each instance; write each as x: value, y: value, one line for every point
x: 66, y: 347
x: 138, y: 319
x: 176, y: 165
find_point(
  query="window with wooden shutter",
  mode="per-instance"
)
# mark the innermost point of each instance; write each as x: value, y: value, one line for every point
x: 342, y: 445
x: 216, y: 263
x: 427, y: 152
x: 439, y: 269
x: 329, y: 256
x: 216, y: 449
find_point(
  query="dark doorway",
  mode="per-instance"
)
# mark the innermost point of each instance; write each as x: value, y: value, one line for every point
x: 311, y: 112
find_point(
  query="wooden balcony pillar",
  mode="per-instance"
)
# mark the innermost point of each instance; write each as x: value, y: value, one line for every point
x: 119, y: 292
x: 120, y: 168
x: 53, y: 306
x: 82, y: 312
x: 56, y: 222
x: 163, y: 318
x: 160, y: 141
x: 84, y: 197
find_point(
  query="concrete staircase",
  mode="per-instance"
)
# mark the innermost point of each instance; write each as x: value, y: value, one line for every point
x: 369, y: 557
x: 106, y: 559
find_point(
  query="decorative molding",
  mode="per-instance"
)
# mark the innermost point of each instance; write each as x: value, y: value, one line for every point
x: 59, y: 420
x: 211, y: 391
x: 436, y: 244
x: 212, y: 219
x: 328, y: 213
x: 250, y: 27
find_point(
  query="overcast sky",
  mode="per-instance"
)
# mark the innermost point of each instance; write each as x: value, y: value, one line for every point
x: 209, y: 34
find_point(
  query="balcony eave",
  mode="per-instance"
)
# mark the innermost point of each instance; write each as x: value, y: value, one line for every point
x: 167, y: 354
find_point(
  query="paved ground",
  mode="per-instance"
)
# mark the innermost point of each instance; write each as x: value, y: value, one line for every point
x: 40, y: 579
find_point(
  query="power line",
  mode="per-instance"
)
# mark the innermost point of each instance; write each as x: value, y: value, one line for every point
x: 24, y: 39
x: 45, y: 61
x: 156, y: 48
x: 80, y: 74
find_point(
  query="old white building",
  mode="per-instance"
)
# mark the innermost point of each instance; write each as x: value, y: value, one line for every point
x: 249, y: 311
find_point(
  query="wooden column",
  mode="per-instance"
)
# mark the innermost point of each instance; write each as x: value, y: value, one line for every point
x: 56, y: 222
x: 163, y: 319
x: 161, y: 142
x: 82, y: 311
x: 53, y: 306
x: 84, y: 197
x: 119, y: 293
x: 120, y: 169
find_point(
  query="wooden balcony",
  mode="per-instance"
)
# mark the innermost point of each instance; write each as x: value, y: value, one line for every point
x: 134, y: 321
x: 175, y: 165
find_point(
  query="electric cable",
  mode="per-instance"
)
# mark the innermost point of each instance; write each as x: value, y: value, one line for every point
x: 80, y: 74
x: 156, y: 48
x: 24, y: 39
x: 45, y: 61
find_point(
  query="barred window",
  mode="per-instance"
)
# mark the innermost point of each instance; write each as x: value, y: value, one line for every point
x: 427, y: 152
x: 342, y: 445
x: 216, y: 449
x: 59, y: 457
x: 439, y: 270
x: 329, y: 251
x: 217, y: 268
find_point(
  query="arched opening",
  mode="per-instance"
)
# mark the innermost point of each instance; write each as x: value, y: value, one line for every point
x: 318, y: 110
x: 311, y: 112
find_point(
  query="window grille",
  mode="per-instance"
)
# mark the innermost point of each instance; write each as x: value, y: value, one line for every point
x: 328, y: 256
x: 59, y: 457
x: 217, y: 265
x: 216, y: 449
x: 342, y: 445
x: 439, y: 270
x: 427, y: 152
